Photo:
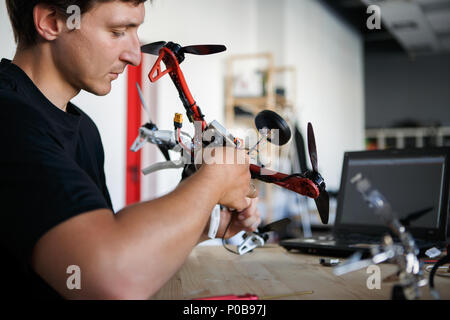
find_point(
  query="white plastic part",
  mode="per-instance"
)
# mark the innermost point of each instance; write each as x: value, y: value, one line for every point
x: 214, y: 222
x: 175, y: 164
x: 433, y: 252
x: 138, y: 143
x: 163, y: 137
x: 251, y: 241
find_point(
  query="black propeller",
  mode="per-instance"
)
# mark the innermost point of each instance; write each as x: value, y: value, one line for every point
x: 312, y: 147
x: 153, y: 48
x: 202, y: 49
x: 277, y: 226
x: 414, y: 216
x: 323, y: 200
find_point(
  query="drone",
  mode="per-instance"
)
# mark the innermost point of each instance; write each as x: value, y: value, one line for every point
x: 271, y: 126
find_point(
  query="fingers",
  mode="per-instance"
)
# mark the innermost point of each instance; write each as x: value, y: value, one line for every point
x: 249, y: 210
x: 251, y: 224
x: 252, y: 192
x: 240, y: 205
x: 230, y: 167
x: 227, y: 155
x: 249, y: 219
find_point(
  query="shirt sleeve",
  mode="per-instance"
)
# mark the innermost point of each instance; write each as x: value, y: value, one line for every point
x: 40, y: 185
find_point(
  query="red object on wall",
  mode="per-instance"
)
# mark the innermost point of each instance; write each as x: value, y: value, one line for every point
x: 133, y: 176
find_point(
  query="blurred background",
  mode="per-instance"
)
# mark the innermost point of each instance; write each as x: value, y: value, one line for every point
x: 324, y: 62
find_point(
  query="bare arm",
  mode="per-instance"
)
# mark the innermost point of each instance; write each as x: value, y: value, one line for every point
x: 130, y: 255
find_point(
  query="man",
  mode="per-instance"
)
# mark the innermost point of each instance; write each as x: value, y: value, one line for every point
x: 56, y: 208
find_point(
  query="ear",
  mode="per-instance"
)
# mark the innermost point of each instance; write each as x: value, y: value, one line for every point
x: 47, y: 21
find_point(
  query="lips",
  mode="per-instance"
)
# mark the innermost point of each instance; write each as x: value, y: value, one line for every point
x: 116, y: 73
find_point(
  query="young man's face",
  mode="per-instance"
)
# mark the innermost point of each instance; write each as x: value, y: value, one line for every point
x: 91, y: 57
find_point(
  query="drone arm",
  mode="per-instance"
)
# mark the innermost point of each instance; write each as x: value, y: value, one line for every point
x: 156, y: 73
x: 193, y: 111
x: 303, y: 186
x: 173, y: 68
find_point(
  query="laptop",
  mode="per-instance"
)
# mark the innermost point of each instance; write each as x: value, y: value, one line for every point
x: 416, y: 184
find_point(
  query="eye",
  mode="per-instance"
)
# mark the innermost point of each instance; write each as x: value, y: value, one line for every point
x: 118, y: 34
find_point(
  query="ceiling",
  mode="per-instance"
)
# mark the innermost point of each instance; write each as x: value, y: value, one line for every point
x: 417, y: 27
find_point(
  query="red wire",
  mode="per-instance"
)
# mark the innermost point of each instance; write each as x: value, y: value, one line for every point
x: 180, y: 142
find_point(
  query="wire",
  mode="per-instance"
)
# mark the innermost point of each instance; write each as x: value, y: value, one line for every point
x: 224, y: 233
x: 445, y: 259
x: 185, y: 148
x: 445, y: 274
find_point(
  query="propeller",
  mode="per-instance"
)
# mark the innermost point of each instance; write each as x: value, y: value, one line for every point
x: 202, y: 49
x: 414, y: 216
x: 323, y: 200
x: 153, y: 48
x: 312, y: 147
x: 277, y: 226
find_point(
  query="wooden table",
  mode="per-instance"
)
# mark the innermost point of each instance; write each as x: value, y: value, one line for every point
x: 271, y: 271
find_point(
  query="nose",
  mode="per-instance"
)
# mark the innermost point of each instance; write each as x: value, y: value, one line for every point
x: 132, y: 53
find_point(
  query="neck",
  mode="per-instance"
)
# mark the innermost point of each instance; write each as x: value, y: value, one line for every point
x: 38, y: 64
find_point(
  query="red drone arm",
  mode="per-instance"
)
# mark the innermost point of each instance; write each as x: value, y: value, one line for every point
x: 303, y: 186
x: 173, y: 68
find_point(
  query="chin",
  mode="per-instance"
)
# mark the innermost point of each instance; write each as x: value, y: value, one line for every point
x: 99, y: 91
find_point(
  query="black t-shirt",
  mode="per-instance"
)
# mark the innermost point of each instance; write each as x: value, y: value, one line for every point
x: 51, y: 169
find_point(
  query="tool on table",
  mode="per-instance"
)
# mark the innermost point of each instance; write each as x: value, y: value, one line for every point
x: 255, y: 297
x: 405, y: 255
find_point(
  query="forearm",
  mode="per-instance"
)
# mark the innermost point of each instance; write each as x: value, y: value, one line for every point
x: 155, y: 237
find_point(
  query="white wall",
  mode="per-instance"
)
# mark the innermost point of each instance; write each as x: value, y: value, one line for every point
x: 109, y: 114
x: 328, y: 55
x: 8, y: 46
x: 270, y: 34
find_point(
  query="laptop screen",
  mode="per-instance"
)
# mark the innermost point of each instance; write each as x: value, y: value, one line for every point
x: 415, y: 183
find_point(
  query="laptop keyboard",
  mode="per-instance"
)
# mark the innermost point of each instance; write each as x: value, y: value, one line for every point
x: 359, y: 238
x: 352, y: 238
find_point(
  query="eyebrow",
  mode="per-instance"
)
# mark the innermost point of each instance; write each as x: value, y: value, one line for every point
x: 125, y: 24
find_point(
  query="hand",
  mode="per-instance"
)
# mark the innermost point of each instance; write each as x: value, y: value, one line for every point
x: 229, y: 168
x: 245, y: 220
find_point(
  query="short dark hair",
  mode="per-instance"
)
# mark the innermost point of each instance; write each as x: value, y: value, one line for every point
x: 21, y: 15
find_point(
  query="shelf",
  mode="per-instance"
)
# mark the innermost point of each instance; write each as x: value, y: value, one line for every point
x: 271, y: 98
x: 252, y: 101
x: 409, y: 137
